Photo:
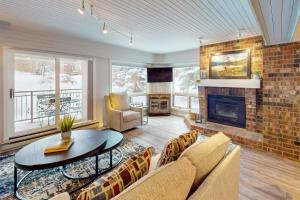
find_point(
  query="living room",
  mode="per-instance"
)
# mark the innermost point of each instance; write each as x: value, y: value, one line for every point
x: 134, y: 99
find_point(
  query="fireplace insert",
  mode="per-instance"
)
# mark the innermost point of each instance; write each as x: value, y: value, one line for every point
x: 229, y: 110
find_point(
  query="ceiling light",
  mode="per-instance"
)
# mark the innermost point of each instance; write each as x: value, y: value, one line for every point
x: 92, y: 6
x: 81, y: 10
x: 131, y: 40
x: 200, y: 40
x: 104, y: 30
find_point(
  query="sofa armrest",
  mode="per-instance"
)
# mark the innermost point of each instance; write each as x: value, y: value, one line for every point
x: 61, y: 196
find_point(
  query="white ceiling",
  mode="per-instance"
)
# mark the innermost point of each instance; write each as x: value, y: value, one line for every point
x: 159, y: 26
x: 277, y: 19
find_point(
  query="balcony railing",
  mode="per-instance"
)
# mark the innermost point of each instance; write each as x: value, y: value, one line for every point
x: 33, y: 106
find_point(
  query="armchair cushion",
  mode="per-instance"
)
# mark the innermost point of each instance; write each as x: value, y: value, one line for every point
x: 119, y: 101
x: 130, y: 115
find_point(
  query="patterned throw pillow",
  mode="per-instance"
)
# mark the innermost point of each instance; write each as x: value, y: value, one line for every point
x: 188, y: 138
x: 175, y: 147
x: 116, y: 181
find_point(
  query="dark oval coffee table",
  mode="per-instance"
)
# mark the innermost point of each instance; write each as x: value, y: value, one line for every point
x: 86, y: 143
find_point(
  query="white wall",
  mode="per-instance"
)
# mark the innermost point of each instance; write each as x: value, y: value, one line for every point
x: 1, y: 94
x: 179, y: 58
x: 60, y: 43
x: 101, y: 87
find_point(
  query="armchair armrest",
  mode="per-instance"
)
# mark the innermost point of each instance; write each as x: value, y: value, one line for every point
x: 136, y: 109
x: 139, y: 110
x: 116, y: 114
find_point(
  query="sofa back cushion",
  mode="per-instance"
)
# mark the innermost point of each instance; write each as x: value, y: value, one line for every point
x: 206, y: 155
x: 223, y: 181
x: 116, y: 181
x: 170, y: 182
x: 175, y: 147
x: 119, y: 101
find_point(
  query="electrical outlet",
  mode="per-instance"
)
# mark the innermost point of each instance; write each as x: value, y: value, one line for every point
x: 297, y: 143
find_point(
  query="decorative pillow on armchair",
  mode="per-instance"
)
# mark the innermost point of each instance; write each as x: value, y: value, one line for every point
x: 116, y: 181
x: 175, y: 147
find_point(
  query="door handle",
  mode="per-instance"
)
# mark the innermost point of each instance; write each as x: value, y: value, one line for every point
x: 11, y: 93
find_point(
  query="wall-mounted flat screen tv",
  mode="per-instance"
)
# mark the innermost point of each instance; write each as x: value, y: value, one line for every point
x: 160, y: 74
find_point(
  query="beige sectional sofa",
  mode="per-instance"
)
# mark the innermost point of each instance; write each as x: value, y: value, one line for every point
x: 207, y: 170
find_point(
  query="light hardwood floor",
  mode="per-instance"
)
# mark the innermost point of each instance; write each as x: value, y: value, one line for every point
x: 263, y: 176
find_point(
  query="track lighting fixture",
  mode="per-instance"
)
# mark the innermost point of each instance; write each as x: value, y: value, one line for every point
x: 131, y: 40
x: 104, y: 30
x: 89, y: 4
x: 81, y: 10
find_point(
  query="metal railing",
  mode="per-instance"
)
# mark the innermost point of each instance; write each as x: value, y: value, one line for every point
x: 35, y: 105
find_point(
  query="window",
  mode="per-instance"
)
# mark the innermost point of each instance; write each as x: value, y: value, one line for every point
x: 180, y: 101
x: 185, y: 80
x: 133, y: 80
x: 47, y: 88
x: 185, y: 88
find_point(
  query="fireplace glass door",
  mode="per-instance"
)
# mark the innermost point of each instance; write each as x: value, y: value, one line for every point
x: 229, y: 110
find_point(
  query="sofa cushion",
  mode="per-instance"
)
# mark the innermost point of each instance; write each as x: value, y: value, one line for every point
x: 119, y: 101
x: 206, y: 155
x: 223, y: 181
x: 170, y: 182
x: 130, y: 115
x: 116, y: 181
x: 175, y: 147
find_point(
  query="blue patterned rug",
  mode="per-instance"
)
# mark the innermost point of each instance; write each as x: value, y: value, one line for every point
x: 44, y: 184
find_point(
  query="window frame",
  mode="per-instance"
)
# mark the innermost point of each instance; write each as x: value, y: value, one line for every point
x: 130, y: 94
x: 188, y: 95
x: 57, y: 57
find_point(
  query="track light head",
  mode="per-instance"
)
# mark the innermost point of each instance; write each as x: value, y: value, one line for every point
x: 104, y: 30
x: 200, y: 40
x: 131, y: 40
x: 92, y: 9
x: 82, y: 9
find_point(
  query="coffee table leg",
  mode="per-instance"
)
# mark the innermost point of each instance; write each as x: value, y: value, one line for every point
x: 15, y: 180
x: 110, y: 159
x: 97, y: 167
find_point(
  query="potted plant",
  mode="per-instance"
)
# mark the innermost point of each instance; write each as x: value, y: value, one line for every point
x: 65, y: 126
x: 256, y: 75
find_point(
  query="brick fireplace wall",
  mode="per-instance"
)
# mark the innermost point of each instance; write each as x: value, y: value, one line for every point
x: 281, y: 99
x: 273, y: 110
x: 255, y: 44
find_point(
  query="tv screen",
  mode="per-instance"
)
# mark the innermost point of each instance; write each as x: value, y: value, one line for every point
x: 155, y: 75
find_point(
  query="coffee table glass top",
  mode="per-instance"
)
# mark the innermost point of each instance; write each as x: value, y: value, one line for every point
x: 86, y: 143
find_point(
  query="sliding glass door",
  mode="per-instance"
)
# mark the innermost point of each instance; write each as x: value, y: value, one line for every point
x: 73, y: 88
x: 45, y: 88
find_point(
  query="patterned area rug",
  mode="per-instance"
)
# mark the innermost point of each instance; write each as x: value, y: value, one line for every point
x: 45, y: 184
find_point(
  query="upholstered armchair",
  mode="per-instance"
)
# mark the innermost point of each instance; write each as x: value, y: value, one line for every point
x: 120, y: 115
